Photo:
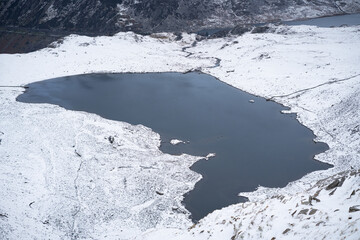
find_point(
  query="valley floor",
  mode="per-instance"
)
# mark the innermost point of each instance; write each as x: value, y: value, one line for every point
x: 61, y: 177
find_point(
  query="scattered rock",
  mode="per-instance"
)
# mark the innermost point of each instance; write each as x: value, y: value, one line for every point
x: 78, y: 154
x: 46, y: 222
x: 305, y: 203
x: 336, y: 183
x: 320, y: 223
x: 264, y: 56
x: 286, y: 231
x: 111, y: 139
x: 317, y: 194
x: 224, y: 46
x: 354, y: 208
x: 310, y: 200
x: 355, y: 130
x: 178, y: 36
x: 312, y: 211
x: 352, y: 193
x: 304, y: 211
x: 332, y: 192
x: 332, y: 185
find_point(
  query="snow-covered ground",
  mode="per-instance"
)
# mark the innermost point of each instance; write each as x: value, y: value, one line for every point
x: 74, y: 175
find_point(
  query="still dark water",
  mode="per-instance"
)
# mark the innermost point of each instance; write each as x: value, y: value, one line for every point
x: 332, y: 21
x: 254, y: 143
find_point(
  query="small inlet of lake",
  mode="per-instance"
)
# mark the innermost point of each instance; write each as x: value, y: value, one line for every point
x: 255, y: 144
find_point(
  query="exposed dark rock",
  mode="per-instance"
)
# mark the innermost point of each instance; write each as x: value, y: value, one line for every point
x: 312, y: 211
x: 336, y: 183
x: 304, y: 211
x: 1, y: 133
x: 352, y: 193
x: 354, y: 208
x: 311, y: 198
x: 264, y: 56
x: 260, y: 29
x: 332, y: 192
x: 178, y: 36
x: 78, y: 154
x: 46, y: 222
x: 159, y: 193
x: 111, y: 139
x: 286, y: 231
x: 355, y: 130
x: 321, y: 222
x: 332, y: 185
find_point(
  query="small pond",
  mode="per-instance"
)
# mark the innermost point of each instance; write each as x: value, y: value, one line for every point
x: 255, y: 144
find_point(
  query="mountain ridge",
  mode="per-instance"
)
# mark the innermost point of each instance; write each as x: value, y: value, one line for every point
x: 146, y: 16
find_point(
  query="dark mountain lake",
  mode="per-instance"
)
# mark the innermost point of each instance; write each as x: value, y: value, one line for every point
x: 331, y: 21
x: 255, y: 144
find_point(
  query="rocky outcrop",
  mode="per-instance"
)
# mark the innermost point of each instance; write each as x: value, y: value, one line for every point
x: 110, y: 16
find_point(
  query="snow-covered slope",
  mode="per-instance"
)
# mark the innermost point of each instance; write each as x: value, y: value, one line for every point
x: 62, y: 177
x: 328, y: 210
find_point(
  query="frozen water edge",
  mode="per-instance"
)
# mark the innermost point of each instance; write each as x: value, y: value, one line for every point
x: 62, y: 178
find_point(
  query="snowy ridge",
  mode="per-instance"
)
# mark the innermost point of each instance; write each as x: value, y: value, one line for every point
x: 68, y: 175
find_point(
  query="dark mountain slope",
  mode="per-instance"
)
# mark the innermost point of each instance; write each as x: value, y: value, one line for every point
x: 110, y: 16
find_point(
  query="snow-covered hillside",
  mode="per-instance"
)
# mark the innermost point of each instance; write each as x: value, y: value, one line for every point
x: 62, y: 177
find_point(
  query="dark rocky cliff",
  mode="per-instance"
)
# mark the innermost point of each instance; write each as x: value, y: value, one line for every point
x: 111, y: 16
